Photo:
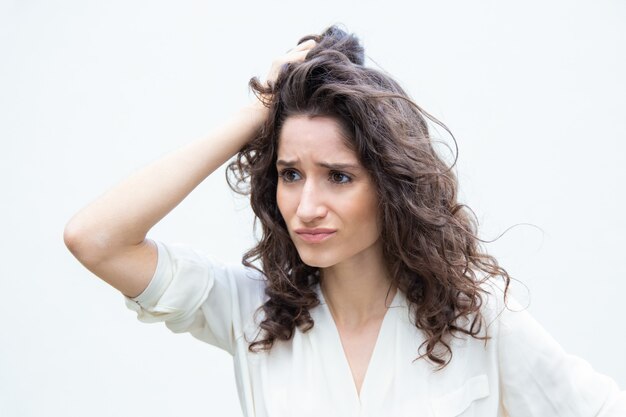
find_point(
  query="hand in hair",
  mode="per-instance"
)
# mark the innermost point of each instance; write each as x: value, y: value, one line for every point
x: 297, y: 54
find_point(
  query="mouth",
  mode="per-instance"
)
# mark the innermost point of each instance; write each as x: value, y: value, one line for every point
x: 315, y: 235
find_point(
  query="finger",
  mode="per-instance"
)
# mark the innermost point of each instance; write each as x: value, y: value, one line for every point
x: 305, y: 45
x: 296, y: 56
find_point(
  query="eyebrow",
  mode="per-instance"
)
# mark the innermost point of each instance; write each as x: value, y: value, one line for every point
x: 336, y: 166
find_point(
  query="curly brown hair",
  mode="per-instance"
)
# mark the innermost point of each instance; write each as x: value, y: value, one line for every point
x: 430, y: 241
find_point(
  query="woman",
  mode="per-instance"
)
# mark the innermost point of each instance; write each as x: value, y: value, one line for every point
x: 372, y: 296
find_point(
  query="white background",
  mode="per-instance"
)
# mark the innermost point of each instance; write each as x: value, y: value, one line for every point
x: 91, y: 91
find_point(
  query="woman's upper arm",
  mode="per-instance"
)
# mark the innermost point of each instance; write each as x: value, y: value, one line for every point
x: 129, y: 269
x: 193, y: 292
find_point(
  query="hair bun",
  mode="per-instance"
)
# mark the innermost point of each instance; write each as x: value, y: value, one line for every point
x: 336, y: 39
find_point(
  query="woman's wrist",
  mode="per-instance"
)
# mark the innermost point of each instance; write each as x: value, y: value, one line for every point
x: 257, y: 110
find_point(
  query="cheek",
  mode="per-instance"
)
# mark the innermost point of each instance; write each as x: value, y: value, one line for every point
x: 283, y: 201
x: 362, y: 210
x: 279, y: 201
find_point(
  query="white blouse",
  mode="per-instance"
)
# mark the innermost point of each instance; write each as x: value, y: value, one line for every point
x: 520, y: 372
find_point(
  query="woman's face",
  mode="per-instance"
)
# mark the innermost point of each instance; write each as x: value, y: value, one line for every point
x: 324, y: 194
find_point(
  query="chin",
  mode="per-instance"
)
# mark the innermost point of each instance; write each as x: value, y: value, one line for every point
x: 317, y: 261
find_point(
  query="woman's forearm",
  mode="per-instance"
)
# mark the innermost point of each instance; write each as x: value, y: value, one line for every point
x: 124, y: 214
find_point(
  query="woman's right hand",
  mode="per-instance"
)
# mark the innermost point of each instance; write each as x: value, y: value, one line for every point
x: 297, y: 54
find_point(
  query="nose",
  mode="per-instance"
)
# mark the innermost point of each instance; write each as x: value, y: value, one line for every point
x: 311, y: 206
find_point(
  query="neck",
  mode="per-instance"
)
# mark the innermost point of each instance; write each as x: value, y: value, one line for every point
x: 358, y: 291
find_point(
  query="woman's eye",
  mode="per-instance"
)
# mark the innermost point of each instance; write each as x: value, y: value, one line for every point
x: 289, y: 175
x: 339, y: 177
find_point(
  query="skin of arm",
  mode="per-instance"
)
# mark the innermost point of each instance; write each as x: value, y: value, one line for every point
x: 108, y: 236
x: 108, y: 233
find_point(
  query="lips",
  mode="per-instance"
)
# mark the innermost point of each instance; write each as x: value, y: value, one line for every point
x: 315, y: 235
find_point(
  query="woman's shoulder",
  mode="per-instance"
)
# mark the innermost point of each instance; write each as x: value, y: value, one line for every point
x: 498, y: 300
x: 511, y: 326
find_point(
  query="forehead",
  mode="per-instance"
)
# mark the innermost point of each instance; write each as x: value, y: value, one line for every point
x: 321, y: 136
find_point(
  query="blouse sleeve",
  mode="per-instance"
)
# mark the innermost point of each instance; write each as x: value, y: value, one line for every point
x: 538, y: 378
x: 192, y: 292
